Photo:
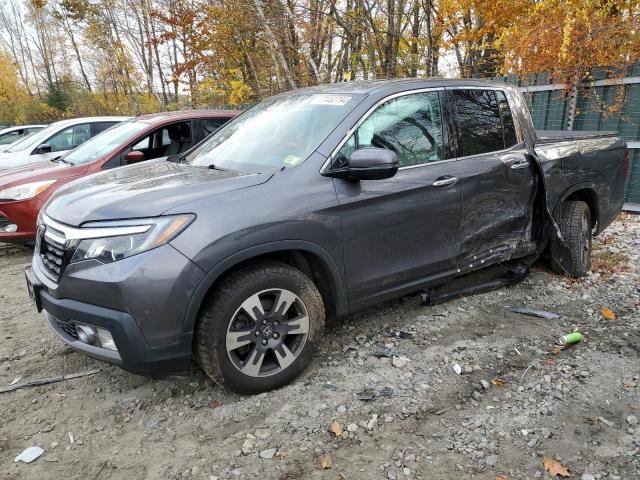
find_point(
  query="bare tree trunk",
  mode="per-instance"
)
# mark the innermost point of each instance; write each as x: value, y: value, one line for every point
x: 273, y: 42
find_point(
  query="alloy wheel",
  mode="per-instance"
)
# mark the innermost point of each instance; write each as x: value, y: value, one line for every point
x: 267, y: 332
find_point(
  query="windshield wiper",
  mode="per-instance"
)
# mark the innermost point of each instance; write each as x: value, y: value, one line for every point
x: 60, y: 159
x: 213, y: 167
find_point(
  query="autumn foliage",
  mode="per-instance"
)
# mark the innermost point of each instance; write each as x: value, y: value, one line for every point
x: 82, y: 57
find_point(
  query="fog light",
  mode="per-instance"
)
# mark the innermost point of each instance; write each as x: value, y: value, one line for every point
x: 86, y: 334
x: 12, y: 227
x: 105, y: 339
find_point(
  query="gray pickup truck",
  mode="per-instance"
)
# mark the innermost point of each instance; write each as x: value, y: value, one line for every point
x: 315, y: 202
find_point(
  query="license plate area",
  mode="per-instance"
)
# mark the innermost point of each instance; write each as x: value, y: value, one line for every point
x: 33, y: 288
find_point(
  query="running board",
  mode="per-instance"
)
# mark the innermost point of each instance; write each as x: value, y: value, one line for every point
x: 486, y: 280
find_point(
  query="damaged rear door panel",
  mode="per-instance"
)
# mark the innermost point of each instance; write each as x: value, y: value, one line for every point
x: 498, y: 181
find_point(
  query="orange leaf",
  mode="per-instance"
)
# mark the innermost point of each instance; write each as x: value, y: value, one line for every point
x: 214, y: 404
x: 554, y: 467
x: 336, y: 428
x: 498, y: 382
x: 608, y: 314
x: 324, y: 461
x: 501, y: 477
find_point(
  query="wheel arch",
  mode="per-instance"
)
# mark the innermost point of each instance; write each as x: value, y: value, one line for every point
x: 587, y: 193
x: 308, y: 257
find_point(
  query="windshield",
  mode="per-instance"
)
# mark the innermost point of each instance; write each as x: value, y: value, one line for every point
x: 34, y: 139
x: 105, y: 142
x: 279, y: 132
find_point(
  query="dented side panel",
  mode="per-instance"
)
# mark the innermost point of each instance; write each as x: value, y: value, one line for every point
x: 498, y: 194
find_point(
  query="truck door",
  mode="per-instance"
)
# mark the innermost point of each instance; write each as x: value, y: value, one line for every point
x: 400, y: 231
x: 498, y: 184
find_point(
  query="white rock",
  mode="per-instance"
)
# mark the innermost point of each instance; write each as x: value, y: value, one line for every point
x: 268, y: 454
x: 352, y: 427
x: 263, y: 433
x: 400, y: 362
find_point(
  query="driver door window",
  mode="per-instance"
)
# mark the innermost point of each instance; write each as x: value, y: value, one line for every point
x: 171, y: 139
x: 70, y: 138
x: 410, y: 125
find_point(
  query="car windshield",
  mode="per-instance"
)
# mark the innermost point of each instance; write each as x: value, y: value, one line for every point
x: 105, y: 142
x: 279, y: 132
x: 34, y: 139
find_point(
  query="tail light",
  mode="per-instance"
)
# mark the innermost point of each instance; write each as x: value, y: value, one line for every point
x: 625, y: 163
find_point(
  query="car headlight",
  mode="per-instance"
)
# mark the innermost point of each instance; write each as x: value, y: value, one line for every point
x: 114, y: 240
x: 22, y: 192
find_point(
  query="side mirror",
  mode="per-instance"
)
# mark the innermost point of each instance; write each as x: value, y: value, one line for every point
x: 369, y: 164
x: 134, y: 157
x: 43, y: 148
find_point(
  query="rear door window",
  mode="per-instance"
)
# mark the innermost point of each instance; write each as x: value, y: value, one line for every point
x: 102, y: 126
x: 479, y: 121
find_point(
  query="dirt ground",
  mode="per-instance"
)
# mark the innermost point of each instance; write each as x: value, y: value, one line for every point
x: 516, y: 400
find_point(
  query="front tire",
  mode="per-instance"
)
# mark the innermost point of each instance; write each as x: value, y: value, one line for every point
x: 573, y: 256
x: 260, y: 328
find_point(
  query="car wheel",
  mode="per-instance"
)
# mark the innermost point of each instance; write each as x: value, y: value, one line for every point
x: 260, y: 328
x: 573, y: 256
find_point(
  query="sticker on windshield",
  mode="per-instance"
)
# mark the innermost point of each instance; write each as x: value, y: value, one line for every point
x: 333, y: 100
x: 291, y: 160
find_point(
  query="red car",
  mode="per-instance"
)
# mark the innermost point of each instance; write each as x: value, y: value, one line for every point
x: 24, y: 190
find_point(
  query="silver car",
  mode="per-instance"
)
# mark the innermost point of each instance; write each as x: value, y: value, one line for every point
x: 54, y: 140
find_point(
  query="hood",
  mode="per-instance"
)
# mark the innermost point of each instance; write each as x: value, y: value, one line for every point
x: 35, y: 172
x: 146, y: 189
x: 14, y: 159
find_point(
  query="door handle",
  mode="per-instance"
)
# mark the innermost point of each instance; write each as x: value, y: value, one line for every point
x: 519, y: 165
x: 445, y: 181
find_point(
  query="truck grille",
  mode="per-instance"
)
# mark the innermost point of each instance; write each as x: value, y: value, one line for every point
x: 51, y: 245
x: 69, y: 328
x: 52, y: 257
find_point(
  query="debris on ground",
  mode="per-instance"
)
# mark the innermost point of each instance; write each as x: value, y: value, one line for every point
x: 532, y: 312
x: 30, y: 454
x: 570, y: 339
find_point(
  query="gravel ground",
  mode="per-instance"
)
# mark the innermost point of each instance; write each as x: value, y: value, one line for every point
x: 516, y: 399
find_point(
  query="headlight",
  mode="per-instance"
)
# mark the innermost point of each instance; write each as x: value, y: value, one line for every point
x: 112, y: 246
x: 22, y: 192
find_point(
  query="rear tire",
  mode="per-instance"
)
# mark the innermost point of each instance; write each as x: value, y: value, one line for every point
x: 573, y: 256
x: 260, y: 328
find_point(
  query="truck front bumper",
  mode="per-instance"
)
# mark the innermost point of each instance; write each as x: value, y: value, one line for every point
x: 138, y: 304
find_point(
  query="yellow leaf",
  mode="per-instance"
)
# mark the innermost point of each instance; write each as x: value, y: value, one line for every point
x: 608, y: 314
x: 324, y: 461
x: 336, y: 428
x: 554, y: 467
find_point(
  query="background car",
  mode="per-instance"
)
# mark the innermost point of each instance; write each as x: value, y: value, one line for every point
x: 24, y: 190
x: 14, y: 134
x: 55, y: 140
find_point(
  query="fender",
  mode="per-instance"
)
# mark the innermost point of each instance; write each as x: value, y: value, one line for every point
x: 574, y: 188
x: 255, y: 251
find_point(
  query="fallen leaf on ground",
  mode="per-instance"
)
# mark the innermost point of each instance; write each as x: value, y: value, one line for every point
x: 336, y: 428
x: 501, y: 477
x: 324, y: 461
x: 608, y: 314
x: 554, y: 467
x: 214, y: 404
x: 629, y: 384
x: 498, y: 382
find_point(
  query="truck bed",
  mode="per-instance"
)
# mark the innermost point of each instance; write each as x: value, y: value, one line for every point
x: 545, y: 136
